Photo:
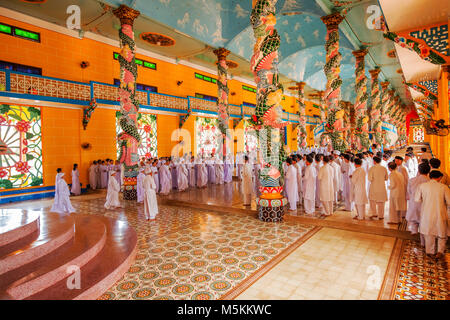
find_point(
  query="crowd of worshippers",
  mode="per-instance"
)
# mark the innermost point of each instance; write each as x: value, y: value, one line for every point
x: 414, y: 186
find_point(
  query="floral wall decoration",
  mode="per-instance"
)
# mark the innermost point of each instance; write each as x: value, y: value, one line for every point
x: 250, y: 139
x: 87, y: 112
x: 208, y: 136
x: 20, y: 147
x: 147, y: 129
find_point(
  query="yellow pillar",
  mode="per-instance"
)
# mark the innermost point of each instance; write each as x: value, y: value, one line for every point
x: 443, y: 113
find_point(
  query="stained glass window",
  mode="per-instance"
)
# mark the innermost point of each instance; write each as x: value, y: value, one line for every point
x: 147, y: 130
x: 207, y: 133
x: 418, y: 134
x: 250, y: 139
x: 20, y: 147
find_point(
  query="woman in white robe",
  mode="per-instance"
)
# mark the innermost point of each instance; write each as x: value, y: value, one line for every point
x: 155, y: 175
x: 192, y: 175
x: 61, y: 203
x: 76, y: 188
x: 93, y: 175
x: 219, y: 172
x: 140, y: 186
x: 247, y: 183
x: 112, y: 195
x: 182, y: 176
x: 165, y: 179
x: 291, y: 185
x: 202, y: 179
x: 150, y: 201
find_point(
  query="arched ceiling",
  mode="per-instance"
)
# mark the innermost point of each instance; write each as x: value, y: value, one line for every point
x: 199, y: 25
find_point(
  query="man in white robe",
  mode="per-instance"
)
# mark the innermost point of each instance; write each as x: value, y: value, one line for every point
x: 318, y: 164
x: 397, y: 194
x: 409, y: 165
x: 326, y: 186
x: 309, y: 186
x: 377, y: 176
x: 61, y: 203
x: 150, y: 201
x: 165, y: 178
x: 247, y: 183
x: 112, y: 195
x: 359, y: 195
x: 139, y: 184
x: 76, y: 188
x: 337, y: 177
x: 413, y: 212
x: 93, y: 175
x: 345, y: 170
x: 401, y: 168
x: 297, y: 166
x: 434, y: 227
x: 291, y: 185
x: 424, y: 155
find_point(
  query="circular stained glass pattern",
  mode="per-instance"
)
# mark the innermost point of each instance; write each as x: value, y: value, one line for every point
x: 182, y: 289
x: 198, y: 264
x: 183, y: 272
x: 220, y: 285
x: 167, y: 266
x: 235, y: 275
x: 143, y: 294
x: 164, y: 282
x: 247, y: 266
x: 202, y: 296
x: 149, y: 275
x: 127, y: 286
x: 216, y: 269
x: 200, y: 278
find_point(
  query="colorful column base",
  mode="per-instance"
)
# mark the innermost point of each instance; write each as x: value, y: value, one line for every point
x: 271, y: 210
x: 130, y: 190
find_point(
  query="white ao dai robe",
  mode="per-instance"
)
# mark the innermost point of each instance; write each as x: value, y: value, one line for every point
x: 150, y: 202
x: 62, y: 201
x: 112, y: 196
x: 291, y: 187
x: 76, y: 188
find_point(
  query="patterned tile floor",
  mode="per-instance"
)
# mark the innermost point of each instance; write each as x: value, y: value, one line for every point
x: 188, y: 253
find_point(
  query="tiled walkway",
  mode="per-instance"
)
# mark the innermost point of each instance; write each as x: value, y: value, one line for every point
x: 196, y: 253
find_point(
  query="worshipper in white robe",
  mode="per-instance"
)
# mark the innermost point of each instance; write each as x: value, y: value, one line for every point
x: 228, y: 170
x: 112, y: 195
x: 409, y: 166
x: 118, y: 168
x: 309, y: 186
x: 424, y: 155
x: 239, y: 164
x: 401, y: 168
x: 202, y: 178
x: 165, y: 178
x: 397, y: 195
x: 345, y: 170
x: 93, y: 175
x: 435, y: 164
x: 173, y: 168
x: 183, y: 182
x: 297, y: 166
x: 337, y: 175
x: 414, y: 208
x: 155, y: 174
x: 103, y: 175
x: 247, y: 183
x: 192, y: 175
x: 150, y: 201
x: 76, y: 188
x: 219, y: 171
x: 291, y: 185
x: 326, y: 186
x: 415, y: 163
x: 210, y: 163
x: 318, y: 164
x: 139, y: 185
x: 434, y: 225
x: 359, y: 195
x: 61, y: 203
x: 377, y: 176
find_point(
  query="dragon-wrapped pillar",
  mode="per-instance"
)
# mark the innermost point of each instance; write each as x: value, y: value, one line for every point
x: 267, y: 119
x: 361, y: 136
x: 129, y: 138
x: 375, y: 111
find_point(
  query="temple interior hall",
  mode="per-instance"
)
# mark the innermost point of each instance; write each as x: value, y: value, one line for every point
x: 224, y: 150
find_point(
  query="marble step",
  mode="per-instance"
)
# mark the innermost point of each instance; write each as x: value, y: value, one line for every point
x: 104, y: 270
x: 17, y: 228
x: 89, y: 240
x: 55, y: 231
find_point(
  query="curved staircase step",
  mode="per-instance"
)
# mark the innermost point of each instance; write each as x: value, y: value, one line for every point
x: 55, y: 232
x: 89, y: 240
x: 104, y: 270
x: 17, y: 228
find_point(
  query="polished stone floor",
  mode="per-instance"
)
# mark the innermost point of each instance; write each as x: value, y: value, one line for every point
x: 204, y: 245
